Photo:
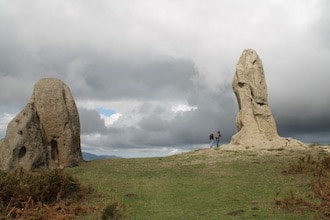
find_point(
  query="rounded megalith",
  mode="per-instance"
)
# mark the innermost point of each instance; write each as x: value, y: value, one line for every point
x: 46, y: 133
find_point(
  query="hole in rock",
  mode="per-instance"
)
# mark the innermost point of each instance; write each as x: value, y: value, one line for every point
x: 54, y: 150
x: 22, y: 152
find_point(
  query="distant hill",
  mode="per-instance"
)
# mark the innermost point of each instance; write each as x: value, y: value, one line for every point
x: 90, y: 156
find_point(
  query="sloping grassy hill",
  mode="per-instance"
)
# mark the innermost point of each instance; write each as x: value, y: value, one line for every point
x: 204, y: 184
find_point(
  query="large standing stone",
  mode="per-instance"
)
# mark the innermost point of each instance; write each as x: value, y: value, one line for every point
x: 46, y: 133
x: 255, y: 123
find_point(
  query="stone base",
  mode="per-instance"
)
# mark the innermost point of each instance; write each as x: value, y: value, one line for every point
x: 278, y: 144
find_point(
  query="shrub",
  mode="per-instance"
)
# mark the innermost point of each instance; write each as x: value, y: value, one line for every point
x: 319, y: 171
x: 112, y: 211
x: 20, y: 192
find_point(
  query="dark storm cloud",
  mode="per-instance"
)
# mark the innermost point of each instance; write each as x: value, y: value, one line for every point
x: 303, y: 120
x: 157, y: 80
x: 144, y: 59
x: 213, y: 112
x: 154, y: 123
x: 91, y: 122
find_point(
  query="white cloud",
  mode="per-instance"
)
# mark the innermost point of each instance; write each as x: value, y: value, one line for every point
x: 183, y: 108
x: 109, y: 120
x: 176, y: 151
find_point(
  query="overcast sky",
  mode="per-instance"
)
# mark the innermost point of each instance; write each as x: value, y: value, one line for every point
x: 153, y: 78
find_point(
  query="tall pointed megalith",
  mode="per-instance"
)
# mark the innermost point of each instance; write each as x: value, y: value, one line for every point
x: 255, y: 123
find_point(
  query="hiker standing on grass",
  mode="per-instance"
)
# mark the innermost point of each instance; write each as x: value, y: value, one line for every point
x: 217, y: 138
x: 211, y: 137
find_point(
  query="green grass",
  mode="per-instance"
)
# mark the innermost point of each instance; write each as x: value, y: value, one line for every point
x: 205, y: 184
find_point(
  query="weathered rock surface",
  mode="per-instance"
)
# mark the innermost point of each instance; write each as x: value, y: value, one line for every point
x: 255, y: 123
x: 46, y: 133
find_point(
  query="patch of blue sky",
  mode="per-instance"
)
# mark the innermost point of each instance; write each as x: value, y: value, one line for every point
x: 106, y: 112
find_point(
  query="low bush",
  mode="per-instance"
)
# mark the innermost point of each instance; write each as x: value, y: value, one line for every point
x: 113, y: 210
x: 319, y: 172
x: 37, y: 194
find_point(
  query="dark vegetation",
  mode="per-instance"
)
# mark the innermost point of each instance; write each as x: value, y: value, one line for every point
x: 318, y: 170
x: 46, y: 194
x: 113, y: 210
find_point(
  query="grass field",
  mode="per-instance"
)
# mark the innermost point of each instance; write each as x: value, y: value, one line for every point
x: 204, y: 184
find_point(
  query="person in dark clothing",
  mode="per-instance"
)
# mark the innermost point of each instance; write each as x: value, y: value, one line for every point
x: 217, y: 138
x: 211, y: 137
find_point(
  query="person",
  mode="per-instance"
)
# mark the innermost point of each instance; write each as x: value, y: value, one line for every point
x: 211, y: 137
x: 217, y: 138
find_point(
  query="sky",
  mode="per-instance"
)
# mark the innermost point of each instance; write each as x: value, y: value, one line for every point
x: 153, y: 78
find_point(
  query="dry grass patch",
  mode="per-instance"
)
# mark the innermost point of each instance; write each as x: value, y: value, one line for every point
x: 318, y: 170
x: 46, y: 194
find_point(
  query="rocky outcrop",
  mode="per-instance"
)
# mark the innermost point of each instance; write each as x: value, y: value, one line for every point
x: 255, y: 123
x: 46, y: 133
